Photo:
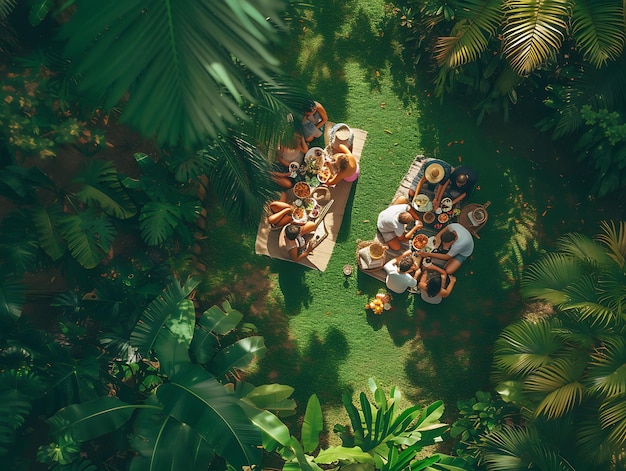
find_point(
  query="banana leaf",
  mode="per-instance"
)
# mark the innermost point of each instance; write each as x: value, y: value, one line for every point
x: 344, y: 455
x: 50, y: 238
x: 91, y: 419
x: 238, y: 356
x: 274, y: 431
x: 172, y: 344
x: 145, y: 334
x: 197, y: 399
x: 312, y: 425
x: 164, y: 443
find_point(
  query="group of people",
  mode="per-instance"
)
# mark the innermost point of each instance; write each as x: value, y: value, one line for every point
x: 453, y: 244
x: 343, y: 165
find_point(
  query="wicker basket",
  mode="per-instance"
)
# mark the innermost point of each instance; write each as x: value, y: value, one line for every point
x: 368, y: 243
x: 321, y: 194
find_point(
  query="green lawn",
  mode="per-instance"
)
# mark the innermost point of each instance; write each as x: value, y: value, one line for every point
x: 320, y: 338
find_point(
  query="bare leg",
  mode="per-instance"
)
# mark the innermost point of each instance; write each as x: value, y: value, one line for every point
x: 281, y: 217
x: 283, y: 181
x: 394, y: 244
x: 400, y: 200
x: 452, y: 265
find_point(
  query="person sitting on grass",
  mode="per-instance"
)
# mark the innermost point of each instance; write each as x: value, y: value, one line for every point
x: 313, y: 121
x: 345, y: 165
x: 401, y: 273
x: 281, y: 212
x: 460, y: 184
x: 430, y: 180
x: 292, y: 151
x: 435, y: 284
x: 292, y: 241
x: 457, y: 244
x: 392, y: 221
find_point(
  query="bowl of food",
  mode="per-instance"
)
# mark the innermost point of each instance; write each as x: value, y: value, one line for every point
x: 443, y: 218
x: 420, y: 201
x: 299, y: 215
x: 302, y: 190
x: 419, y: 241
x: 324, y: 174
x: 429, y: 217
x: 446, y: 204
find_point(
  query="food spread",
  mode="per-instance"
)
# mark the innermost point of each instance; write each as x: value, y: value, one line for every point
x: 420, y: 241
x: 302, y: 190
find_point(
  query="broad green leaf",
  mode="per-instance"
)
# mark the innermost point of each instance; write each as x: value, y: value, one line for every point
x: 220, y: 321
x: 313, y: 424
x: 197, y: 399
x: 270, y: 425
x: 99, y: 185
x: 345, y: 455
x: 164, y: 443
x: 88, y: 235
x: 157, y: 221
x: 91, y: 419
x: 172, y: 344
x: 273, y: 397
x: 157, y: 314
x: 45, y: 221
x: 238, y: 356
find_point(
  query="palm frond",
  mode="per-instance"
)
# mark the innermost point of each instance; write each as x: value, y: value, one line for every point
x: 592, y: 439
x: 548, y: 278
x: 533, y: 32
x: 6, y: 7
x: 525, y: 346
x: 181, y: 62
x: 478, y: 22
x: 607, y: 373
x: 613, y: 418
x: 585, y: 302
x: 239, y: 178
x: 559, y: 383
x: 615, y: 240
x: 599, y: 30
x: 581, y: 247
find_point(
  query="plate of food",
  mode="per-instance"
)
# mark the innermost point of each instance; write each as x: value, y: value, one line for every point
x: 299, y: 215
x: 429, y: 217
x: 324, y: 174
x: 446, y: 204
x: 302, y: 190
x: 419, y: 242
x: 443, y: 218
x: 420, y: 202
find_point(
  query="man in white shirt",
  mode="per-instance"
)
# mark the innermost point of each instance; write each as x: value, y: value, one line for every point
x: 391, y: 224
x: 401, y: 273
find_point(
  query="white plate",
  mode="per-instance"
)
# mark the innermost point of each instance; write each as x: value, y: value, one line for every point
x: 446, y: 204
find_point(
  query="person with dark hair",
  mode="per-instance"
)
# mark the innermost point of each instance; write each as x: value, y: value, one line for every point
x: 401, y: 273
x: 392, y: 223
x: 292, y: 242
x: 345, y: 165
x: 289, y: 153
x: 313, y: 121
x: 435, y: 284
x: 460, y: 184
x: 456, y: 242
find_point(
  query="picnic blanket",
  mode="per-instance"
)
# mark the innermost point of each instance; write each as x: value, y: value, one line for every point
x: 267, y: 239
x: 403, y: 189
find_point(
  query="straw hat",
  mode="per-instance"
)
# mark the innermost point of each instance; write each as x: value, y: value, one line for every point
x: 434, y: 173
x: 341, y: 133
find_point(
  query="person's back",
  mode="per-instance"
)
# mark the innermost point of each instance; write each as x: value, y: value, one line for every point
x: 398, y: 279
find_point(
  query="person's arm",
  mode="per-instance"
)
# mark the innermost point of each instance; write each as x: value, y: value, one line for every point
x: 303, y: 146
x: 294, y: 254
x: 445, y: 292
x: 418, y: 188
x: 322, y: 111
x: 458, y: 198
x: 423, y: 283
x: 439, y: 193
x: 409, y: 234
x: 440, y: 256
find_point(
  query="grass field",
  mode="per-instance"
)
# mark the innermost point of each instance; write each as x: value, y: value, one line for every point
x: 320, y: 338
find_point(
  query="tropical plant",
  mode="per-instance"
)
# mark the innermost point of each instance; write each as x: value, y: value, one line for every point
x: 479, y: 416
x: 185, y: 402
x: 75, y: 218
x: 567, y: 368
x: 184, y: 65
x: 380, y: 438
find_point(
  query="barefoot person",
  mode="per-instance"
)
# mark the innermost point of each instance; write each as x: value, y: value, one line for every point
x: 292, y: 241
x: 392, y: 223
x: 313, y: 121
x: 345, y: 165
x: 457, y: 244
x: 435, y: 284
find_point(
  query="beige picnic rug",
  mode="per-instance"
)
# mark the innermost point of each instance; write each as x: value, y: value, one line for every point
x: 267, y: 240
